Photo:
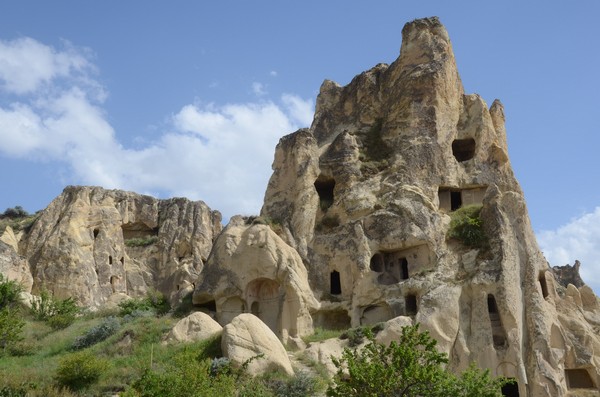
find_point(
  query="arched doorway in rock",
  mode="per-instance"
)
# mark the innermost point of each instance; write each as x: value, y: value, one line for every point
x: 265, y: 302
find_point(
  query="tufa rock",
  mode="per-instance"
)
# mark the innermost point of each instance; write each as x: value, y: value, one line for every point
x: 91, y: 243
x: 197, y: 326
x: 251, y: 269
x: 568, y: 274
x: 366, y: 196
x: 247, y: 337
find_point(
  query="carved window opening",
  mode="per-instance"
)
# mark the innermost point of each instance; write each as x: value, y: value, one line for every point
x: 324, y: 187
x: 177, y: 287
x: 544, y: 285
x: 377, y: 263
x: 110, y: 260
x: 404, y: 268
x: 113, y: 281
x: 122, y: 260
x: 96, y: 232
x: 463, y: 149
x: 578, y: 378
x: 498, y: 334
x: 511, y: 389
x: 335, y: 283
x: 410, y: 304
x: 455, y: 200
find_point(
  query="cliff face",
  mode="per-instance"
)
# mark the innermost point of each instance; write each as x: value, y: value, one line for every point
x: 366, y: 195
x: 91, y: 243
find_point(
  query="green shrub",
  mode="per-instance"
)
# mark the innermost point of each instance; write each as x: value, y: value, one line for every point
x: 11, y: 326
x: 411, y: 366
x: 154, y: 302
x: 10, y: 292
x: 321, y: 334
x: 466, y: 225
x: 300, y: 385
x: 80, y: 370
x: 141, y: 241
x: 96, y: 334
x: 58, y: 313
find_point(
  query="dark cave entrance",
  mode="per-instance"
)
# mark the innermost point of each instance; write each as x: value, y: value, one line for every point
x: 410, y: 304
x: 511, y: 389
x: 335, y: 283
x: 324, y: 187
x: 463, y: 149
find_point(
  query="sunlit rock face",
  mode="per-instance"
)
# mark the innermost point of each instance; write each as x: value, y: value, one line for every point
x: 91, y: 243
x: 366, y: 194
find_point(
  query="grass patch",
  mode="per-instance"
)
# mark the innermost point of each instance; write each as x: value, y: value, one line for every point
x: 322, y: 334
x: 141, y: 241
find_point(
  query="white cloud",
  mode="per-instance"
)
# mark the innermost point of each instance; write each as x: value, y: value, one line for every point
x: 26, y: 64
x: 579, y: 239
x: 258, y: 89
x: 273, y: 73
x: 219, y: 154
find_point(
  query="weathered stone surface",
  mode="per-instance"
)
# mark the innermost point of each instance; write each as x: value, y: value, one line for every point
x: 77, y: 246
x: 251, y: 269
x: 392, y: 329
x: 568, y: 274
x: 365, y: 196
x: 245, y: 337
x: 197, y: 326
x: 15, y: 267
x: 323, y: 351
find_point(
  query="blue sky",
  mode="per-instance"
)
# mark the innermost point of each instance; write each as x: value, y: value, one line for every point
x: 189, y: 98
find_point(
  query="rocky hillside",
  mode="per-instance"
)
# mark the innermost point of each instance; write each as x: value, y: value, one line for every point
x: 397, y: 205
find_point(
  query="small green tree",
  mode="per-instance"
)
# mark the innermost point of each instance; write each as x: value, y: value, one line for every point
x: 10, y: 292
x: 411, y: 366
x: 11, y: 323
x: 59, y: 313
x: 466, y: 225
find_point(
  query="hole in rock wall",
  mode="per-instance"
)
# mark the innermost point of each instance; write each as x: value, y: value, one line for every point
x: 110, y: 260
x: 377, y: 264
x: 463, y: 149
x: 455, y: 201
x: 209, y: 306
x: 335, y: 283
x: 543, y: 284
x: 410, y: 304
x: 396, y: 266
x: 122, y: 260
x: 96, y: 232
x: 324, y: 187
x: 498, y: 334
x: 404, y: 268
x: 138, y: 230
x: 113, y: 282
x: 332, y: 319
x: 451, y: 199
x: 511, y: 389
x: 578, y: 378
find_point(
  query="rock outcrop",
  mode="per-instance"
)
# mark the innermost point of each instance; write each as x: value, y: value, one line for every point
x: 197, y: 326
x: 91, y: 243
x: 246, y: 339
x: 358, y: 227
x: 366, y: 196
x: 251, y: 269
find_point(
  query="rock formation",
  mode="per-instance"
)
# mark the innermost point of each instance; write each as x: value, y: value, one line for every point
x: 366, y: 196
x: 246, y: 337
x: 251, y: 269
x: 91, y: 243
x: 197, y: 326
x: 359, y: 226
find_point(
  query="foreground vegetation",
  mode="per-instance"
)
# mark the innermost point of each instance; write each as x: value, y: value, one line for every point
x: 55, y: 349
